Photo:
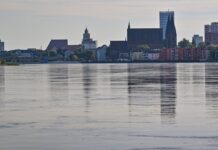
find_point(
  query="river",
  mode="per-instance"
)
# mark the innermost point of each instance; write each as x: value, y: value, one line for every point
x: 109, y: 107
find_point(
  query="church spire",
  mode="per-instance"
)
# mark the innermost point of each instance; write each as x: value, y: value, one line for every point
x: 169, y: 21
x: 171, y: 35
x: 86, y: 30
x: 129, y: 26
x: 173, y: 24
x: 86, y: 35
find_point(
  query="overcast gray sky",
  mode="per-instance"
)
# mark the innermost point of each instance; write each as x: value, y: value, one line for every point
x: 33, y: 23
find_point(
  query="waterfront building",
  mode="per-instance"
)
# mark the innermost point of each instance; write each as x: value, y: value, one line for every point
x: 116, y: 48
x: 197, y: 39
x: 192, y: 54
x: 184, y: 54
x: 149, y: 36
x: 153, y: 56
x: 87, y: 42
x: 166, y: 54
x: 101, y: 53
x: 137, y: 56
x: 169, y: 54
x: 2, y: 46
x: 164, y: 15
x: 74, y: 47
x: 211, y: 34
x: 124, y: 57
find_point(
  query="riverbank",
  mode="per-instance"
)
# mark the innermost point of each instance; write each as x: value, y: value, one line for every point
x: 96, y: 62
x: 9, y: 64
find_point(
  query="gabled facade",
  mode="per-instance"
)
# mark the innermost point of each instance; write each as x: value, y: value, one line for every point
x: 153, y: 37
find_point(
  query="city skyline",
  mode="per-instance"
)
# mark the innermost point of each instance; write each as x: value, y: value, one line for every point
x: 32, y: 24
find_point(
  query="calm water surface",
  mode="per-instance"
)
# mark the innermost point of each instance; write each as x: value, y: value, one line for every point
x: 109, y: 107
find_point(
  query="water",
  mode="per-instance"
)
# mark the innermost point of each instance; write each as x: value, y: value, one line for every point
x: 109, y: 107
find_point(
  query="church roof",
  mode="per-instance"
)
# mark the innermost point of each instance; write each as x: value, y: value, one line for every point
x: 58, y: 43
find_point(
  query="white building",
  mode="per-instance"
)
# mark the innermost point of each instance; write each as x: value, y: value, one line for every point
x: 23, y: 54
x: 154, y: 56
x: 101, y: 53
x: 2, y: 46
x: 137, y: 56
x: 164, y: 15
x: 197, y: 39
x: 87, y: 42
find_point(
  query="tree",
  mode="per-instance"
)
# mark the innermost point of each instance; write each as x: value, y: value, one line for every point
x: 143, y: 48
x: 202, y: 45
x: 44, y: 54
x: 74, y: 58
x: 52, y: 54
x: 213, y: 52
x: 88, y: 55
x: 185, y: 44
x: 213, y: 47
x: 2, y: 62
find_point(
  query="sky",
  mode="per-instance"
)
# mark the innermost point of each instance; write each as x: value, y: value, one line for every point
x: 33, y: 23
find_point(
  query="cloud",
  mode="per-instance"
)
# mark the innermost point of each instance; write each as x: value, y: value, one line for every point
x: 104, y: 8
x: 104, y: 16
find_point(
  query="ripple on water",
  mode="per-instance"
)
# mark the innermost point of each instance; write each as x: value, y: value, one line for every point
x: 16, y: 125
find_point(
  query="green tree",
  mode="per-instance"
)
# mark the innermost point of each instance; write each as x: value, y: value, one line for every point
x: 185, y: 44
x: 52, y: 54
x: 74, y: 58
x: 143, y: 48
x: 2, y: 62
x: 202, y: 45
x: 87, y: 55
x: 78, y: 53
x: 213, y: 47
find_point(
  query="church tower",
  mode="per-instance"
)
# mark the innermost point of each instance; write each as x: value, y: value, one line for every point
x: 128, y: 30
x: 86, y: 35
x: 171, y: 35
x: 87, y: 42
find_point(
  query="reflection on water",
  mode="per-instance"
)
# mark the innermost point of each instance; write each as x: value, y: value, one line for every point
x: 89, y: 83
x: 212, y: 89
x: 143, y: 84
x: 58, y: 83
x: 147, y: 83
x: 168, y: 81
x: 2, y: 85
x: 109, y: 106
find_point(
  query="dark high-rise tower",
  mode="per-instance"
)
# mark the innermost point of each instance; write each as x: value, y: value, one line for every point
x: 211, y: 34
x: 171, y: 35
x: 2, y: 45
x: 164, y: 15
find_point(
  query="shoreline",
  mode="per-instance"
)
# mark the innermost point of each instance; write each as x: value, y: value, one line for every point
x: 147, y: 62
